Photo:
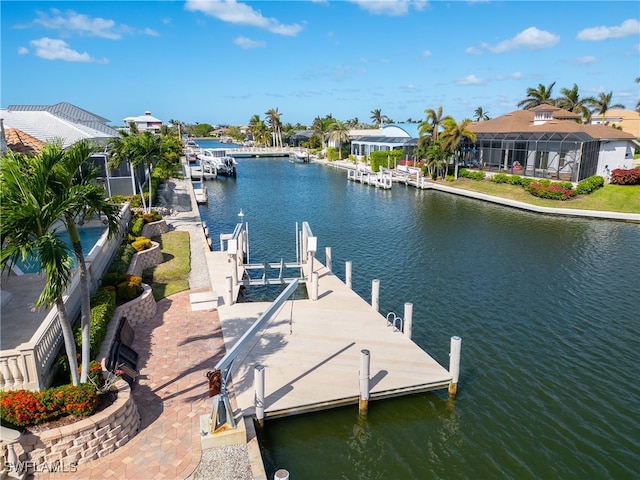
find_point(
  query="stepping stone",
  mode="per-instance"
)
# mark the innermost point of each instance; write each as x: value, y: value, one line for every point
x: 203, y: 301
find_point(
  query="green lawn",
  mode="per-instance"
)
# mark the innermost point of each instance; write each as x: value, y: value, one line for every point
x: 610, y: 198
x: 171, y: 276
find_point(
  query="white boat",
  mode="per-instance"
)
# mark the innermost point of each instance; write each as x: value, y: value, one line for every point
x: 215, y: 160
x: 299, y: 157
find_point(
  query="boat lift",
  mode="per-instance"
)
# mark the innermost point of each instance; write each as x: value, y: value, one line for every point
x: 221, y: 417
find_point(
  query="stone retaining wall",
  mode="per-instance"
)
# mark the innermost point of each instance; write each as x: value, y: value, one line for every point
x: 139, y: 310
x: 154, y: 229
x: 145, y: 259
x: 85, y: 440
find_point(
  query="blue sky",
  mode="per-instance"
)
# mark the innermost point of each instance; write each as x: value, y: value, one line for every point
x: 224, y: 61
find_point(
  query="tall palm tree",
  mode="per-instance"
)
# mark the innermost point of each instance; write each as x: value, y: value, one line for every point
x: 339, y: 132
x: 453, y: 135
x: 602, y: 103
x: 480, y: 115
x: 432, y: 123
x: 85, y: 199
x: 537, y: 96
x: 377, y: 117
x: 28, y: 212
x: 273, y: 118
x: 571, y: 101
x: 320, y: 128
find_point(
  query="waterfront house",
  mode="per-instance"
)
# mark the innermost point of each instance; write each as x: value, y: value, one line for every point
x: 26, y: 128
x: 627, y: 120
x: 146, y: 122
x: 545, y: 141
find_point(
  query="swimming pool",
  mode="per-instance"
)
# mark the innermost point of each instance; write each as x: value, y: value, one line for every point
x: 89, y: 236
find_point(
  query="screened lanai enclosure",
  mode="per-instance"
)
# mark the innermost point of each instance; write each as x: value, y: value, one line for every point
x: 571, y: 156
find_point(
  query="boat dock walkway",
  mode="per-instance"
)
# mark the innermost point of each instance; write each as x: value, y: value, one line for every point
x: 311, y: 349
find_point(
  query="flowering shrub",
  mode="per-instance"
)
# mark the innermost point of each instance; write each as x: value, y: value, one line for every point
x: 553, y: 191
x: 23, y: 407
x: 625, y: 177
x: 476, y: 175
x: 154, y: 216
x: 129, y: 288
x: 141, y: 243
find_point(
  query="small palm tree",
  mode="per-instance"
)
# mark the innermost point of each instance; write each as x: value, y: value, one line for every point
x: 602, y: 104
x: 479, y: 115
x: 538, y: 96
x: 571, y: 101
x: 339, y: 132
x: 273, y: 118
x: 432, y: 123
x: 377, y: 117
x: 320, y: 128
x: 29, y: 209
x: 84, y: 200
x: 453, y: 136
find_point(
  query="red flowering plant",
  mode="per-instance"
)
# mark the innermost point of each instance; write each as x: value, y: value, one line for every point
x: 553, y: 191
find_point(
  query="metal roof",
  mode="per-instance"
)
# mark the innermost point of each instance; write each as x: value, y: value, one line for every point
x: 50, y: 128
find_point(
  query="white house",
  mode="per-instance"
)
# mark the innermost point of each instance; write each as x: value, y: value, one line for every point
x: 145, y: 122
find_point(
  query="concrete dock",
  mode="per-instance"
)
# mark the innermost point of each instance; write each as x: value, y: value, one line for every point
x: 311, y: 349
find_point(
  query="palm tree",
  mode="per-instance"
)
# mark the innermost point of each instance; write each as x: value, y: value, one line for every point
x: 436, y: 159
x: 85, y: 199
x: 602, y: 103
x: 432, y: 123
x: 261, y: 134
x: 479, y: 115
x: 339, y: 132
x: 377, y: 117
x: 320, y: 128
x: 537, y: 96
x: 453, y: 135
x: 29, y: 209
x: 273, y: 118
x: 571, y: 101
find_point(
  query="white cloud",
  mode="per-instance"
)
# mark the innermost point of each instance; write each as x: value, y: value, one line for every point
x: 427, y: 53
x: 530, y: 38
x: 586, y: 60
x: 23, y: 51
x: 73, y: 23
x: 390, y: 7
x: 627, y: 28
x: 473, y: 51
x: 242, y: 14
x: 52, y: 49
x: 247, y: 43
x: 470, y: 80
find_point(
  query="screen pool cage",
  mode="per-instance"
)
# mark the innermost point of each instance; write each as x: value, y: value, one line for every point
x: 563, y: 156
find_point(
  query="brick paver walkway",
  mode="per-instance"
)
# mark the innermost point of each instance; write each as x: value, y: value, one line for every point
x: 177, y: 347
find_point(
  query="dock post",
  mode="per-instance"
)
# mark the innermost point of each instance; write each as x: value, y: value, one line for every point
x: 229, y: 299
x: 327, y: 254
x: 454, y: 364
x: 281, y: 474
x: 408, y: 319
x: 258, y: 380
x: 365, y: 361
x: 314, y: 286
x: 375, y: 295
x: 348, y: 274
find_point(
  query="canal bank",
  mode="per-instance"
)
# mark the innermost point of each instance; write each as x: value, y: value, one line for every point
x: 573, y: 212
x: 544, y: 304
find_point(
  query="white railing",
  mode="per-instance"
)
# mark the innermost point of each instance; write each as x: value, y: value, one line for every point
x: 31, y: 365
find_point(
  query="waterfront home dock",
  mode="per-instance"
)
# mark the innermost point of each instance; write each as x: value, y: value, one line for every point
x: 311, y: 349
x: 258, y: 152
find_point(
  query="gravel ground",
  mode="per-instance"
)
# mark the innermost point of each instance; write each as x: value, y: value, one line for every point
x: 224, y: 463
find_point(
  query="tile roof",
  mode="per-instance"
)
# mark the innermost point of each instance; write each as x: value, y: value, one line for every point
x: 521, y: 121
x: 19, y: 142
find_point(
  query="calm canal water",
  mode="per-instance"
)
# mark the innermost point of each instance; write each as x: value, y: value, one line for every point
x: 547, y: 309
